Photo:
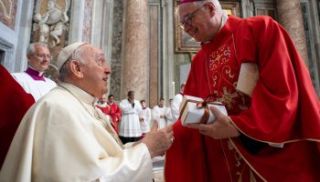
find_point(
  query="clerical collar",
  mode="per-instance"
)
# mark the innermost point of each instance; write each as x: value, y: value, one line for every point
x: 36, y: 75
x: 79, y: 93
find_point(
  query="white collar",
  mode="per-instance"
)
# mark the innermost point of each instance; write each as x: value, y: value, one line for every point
x: 79, y: 93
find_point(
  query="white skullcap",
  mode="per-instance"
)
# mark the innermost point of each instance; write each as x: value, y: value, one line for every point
x: 66, y: 53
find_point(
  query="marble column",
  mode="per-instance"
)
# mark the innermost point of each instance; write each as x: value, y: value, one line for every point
x: 290, y: 16
x: 135, y: 60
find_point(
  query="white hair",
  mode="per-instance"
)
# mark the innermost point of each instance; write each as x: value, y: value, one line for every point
x: 216, y: 3
x: 32, y: 47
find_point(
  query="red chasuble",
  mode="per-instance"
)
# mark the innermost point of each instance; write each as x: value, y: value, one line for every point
x: 14, y: 104
x: 279, y: 123
x: 114, y: 111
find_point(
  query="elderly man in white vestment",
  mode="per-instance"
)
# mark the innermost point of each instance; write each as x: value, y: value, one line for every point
x: 63, y: 137
x: 33, y: 80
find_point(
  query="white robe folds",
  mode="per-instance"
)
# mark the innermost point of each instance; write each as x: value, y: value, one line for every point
x: 64, y: 138
x: 161, y: 115
x: 130, y: 123
x: 37, y: 88
x: 145, y: 125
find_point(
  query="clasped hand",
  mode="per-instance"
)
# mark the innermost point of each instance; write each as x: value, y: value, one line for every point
x: 157, y: 140
x: 221, y: 128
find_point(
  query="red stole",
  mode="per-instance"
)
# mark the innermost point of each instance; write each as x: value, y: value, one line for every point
x: 280, y: 110
x: 14, y: 104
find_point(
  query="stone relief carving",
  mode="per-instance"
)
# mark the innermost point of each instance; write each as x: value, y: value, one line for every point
x: 52, y: 24
x: 8, y: 10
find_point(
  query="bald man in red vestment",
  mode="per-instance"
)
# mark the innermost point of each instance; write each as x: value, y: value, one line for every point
x: 271, y: 133
x: 14, y: 103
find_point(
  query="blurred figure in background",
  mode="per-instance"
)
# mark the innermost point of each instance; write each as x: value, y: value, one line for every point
x: 175, y: 106
x: 33, y: 80
x: 145, y: 118
x: 130, y: 130
x: 111, y: 108
x: 161, y: 114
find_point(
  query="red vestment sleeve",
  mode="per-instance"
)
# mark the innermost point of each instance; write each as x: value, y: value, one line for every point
x: 14, y: 104
x: 284, y: 105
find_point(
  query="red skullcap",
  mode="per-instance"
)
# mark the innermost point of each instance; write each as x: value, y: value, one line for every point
x: 188, y: 1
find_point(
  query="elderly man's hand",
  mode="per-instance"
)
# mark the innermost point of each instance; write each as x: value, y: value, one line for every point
x: 221, y: 128
x: 158, y: 141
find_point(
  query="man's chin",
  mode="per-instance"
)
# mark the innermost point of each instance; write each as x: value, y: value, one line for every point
x: 43, y: 69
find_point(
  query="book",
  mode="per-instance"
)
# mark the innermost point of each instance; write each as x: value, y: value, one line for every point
x: 194, y: 110
x: 248, y: 77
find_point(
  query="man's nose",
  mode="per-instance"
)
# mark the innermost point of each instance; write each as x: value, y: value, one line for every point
x: 46, y: 57
x: 107, y: 69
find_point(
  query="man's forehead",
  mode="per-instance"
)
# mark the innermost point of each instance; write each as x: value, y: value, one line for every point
x: 188, y: 1
x: 184, y: 9
x: 93, y: 50
x: 39, y: 48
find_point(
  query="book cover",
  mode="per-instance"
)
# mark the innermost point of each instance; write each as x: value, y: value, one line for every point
x: 194, y: 110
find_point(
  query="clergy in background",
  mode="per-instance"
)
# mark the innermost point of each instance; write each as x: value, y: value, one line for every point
x: 272, y: 131
x: 111, y: 108
x: 175, y: 105
x: 33, y: 80
x: 130, y: 130
x: 161, y: 114
x: 145, y: 118
x: 64, y: 137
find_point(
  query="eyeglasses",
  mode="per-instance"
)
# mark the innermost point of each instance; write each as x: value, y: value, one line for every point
x: 42, y: 56
x: 187, y: 19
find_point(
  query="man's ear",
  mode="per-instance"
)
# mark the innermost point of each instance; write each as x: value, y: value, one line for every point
x: 75, y: 69
x: 29, y: 56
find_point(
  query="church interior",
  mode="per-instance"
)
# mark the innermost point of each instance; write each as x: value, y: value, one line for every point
x: 144, y: 46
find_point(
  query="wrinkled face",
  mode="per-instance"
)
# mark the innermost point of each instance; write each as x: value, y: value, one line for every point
x: 110, y: 99
x: 40, y: 58
x: 131, y: 95
x: 95, y: 71
x: 161, y: 103
x: 182, y: 88
x: 143, y: 104
x: 195, y: 20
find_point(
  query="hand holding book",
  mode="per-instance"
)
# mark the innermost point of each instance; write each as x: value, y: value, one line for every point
x: 210, y: 119
x: 196, y: 110
x: 221, y: 128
